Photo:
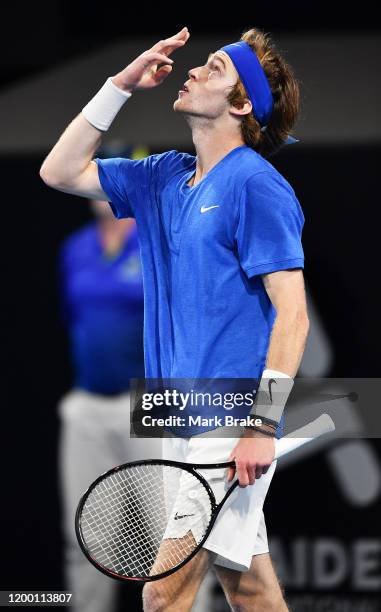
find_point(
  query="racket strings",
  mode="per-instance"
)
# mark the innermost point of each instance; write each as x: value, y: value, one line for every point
x: 144, y: 520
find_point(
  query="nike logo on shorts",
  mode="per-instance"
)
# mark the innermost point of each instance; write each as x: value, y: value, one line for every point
x: 181, y: 516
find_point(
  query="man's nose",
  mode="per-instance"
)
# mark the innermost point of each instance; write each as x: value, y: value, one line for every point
x: 194, y: 73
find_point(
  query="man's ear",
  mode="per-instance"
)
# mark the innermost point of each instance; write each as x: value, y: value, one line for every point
x: 245, y: 108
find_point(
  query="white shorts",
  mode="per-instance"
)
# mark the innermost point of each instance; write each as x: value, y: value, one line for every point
x: 240, y: 529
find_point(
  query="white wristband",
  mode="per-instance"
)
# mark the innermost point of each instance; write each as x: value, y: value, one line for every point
x: 104, y: 106
x: 271, y: 397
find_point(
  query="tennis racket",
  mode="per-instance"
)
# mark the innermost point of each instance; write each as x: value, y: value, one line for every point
x: 144, y: 520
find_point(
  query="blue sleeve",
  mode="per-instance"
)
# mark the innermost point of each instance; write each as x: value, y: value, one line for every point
x: 119, y: 178
x: 129, y: 182
x: 269, y: 227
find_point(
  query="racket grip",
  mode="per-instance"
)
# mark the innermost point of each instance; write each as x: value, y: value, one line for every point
x: 323, y: 424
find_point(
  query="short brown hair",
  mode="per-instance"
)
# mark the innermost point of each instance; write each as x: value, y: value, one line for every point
x: 285, y: 89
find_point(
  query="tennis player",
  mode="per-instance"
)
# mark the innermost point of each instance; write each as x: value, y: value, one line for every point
x: 220, y: 237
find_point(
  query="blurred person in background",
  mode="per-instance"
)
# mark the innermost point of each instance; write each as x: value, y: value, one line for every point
x: 101, y: 295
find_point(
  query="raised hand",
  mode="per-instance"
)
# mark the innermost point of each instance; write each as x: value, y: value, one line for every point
x: 144, y: 71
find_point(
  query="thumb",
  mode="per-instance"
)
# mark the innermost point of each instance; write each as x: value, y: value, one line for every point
x: 162, y: 73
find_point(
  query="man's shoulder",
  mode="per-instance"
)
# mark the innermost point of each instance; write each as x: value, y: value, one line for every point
x: 150, y: 162
x: 172, y: 159
x: 258, y: 171
x: 175, y: 154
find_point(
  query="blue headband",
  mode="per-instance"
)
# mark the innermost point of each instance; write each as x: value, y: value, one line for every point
x: 255, y: 82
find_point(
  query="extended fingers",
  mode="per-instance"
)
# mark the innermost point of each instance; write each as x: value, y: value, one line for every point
x: 174, y: 42
x: 150, y: 57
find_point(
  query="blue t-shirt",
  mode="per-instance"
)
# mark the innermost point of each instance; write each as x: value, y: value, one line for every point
x: 204, y: 248
x: 102, y: 307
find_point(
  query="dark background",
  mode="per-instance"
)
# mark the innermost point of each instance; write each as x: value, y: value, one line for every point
x: 338, y: 187
x: 39, y: 36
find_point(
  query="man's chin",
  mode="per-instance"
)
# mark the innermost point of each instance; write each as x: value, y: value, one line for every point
x: 179, y: 107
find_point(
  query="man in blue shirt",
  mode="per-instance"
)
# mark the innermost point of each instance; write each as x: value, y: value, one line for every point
x: 102, y: 302
x: 220, y: 236
x: 101, y: 299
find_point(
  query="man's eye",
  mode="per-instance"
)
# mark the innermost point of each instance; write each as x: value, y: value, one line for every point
x: 213, y: 69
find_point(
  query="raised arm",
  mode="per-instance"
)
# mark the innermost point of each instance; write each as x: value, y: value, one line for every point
x: 69, y: 167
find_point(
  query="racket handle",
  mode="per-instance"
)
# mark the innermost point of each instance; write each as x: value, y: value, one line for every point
x: 323, y: 424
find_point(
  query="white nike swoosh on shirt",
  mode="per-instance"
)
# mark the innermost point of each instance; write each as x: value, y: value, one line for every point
x: 206, y: 208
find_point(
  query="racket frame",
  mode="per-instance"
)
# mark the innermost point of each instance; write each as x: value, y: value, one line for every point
x: 189, y: 467
x: 319, y: 426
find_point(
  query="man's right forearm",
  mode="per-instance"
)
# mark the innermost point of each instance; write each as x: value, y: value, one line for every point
x: 72, y: 153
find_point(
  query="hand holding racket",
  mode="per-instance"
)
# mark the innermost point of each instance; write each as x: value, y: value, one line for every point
x: 250, y: 460
x: 144, y: 520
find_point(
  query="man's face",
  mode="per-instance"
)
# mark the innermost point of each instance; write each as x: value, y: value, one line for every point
x: 208, y: 87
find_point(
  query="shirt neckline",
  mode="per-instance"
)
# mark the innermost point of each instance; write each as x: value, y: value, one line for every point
x: 190, y: 174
